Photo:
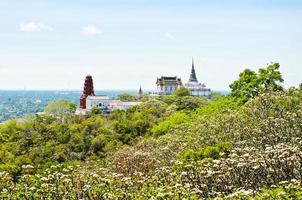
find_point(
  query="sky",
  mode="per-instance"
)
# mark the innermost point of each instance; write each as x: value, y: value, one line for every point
x: 125, y: 44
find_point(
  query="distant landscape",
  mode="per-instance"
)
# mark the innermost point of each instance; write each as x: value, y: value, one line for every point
x: 15, y: 104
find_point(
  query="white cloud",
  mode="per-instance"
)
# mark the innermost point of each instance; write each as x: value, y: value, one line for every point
x: 34, y: 27
x: 169, y: 36
x: 91, y: 30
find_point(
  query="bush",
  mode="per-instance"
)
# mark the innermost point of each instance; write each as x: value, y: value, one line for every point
x: 127, y: 97
x: 212, y: 152
x: 182, y: 92
x: 171, y: 122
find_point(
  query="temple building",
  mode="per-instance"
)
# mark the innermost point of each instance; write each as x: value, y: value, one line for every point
x: 167, y: 85
x: 196, y: 88
x: 89, y: 100
x: 100, y: 101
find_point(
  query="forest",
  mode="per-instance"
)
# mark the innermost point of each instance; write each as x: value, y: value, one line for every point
x: 245, y: 145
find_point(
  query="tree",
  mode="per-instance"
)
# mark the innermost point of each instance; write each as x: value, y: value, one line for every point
x: 270, y: 77
x: 170, y: 122
x: 189, y: 103
x: 60, y: 107
x: 182, y: 92
x: 250, y: 83
x: 127, y: 97
x: 216, y: 95
x: 95, y: 111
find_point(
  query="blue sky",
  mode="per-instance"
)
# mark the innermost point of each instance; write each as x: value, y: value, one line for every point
x: 53, y: 44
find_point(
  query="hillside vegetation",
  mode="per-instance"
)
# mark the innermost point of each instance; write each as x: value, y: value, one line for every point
x: 241, y: 146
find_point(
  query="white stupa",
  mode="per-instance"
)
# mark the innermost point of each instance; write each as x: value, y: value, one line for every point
x: 196, y: 88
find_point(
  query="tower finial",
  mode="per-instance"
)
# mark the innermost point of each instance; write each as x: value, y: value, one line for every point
x: 193, y: 62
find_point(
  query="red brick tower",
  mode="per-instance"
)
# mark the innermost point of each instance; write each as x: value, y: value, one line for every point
x: 88, y: 91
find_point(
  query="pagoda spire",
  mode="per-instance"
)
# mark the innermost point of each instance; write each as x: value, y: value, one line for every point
x: 88, y: 91
x: 193, y: 77
x: 140, y: 92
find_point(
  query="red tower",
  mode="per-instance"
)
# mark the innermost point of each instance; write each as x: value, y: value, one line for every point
x: 88, y: 91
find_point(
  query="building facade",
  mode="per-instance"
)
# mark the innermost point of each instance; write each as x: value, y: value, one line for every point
x: 167, y: 85
x: 107, y: 105
x: 102, y: 102
x: 89, y: 100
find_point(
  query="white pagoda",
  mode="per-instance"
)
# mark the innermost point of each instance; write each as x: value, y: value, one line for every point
x: 196, y: 88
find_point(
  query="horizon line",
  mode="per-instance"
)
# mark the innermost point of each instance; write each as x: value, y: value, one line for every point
x: 78, y: 90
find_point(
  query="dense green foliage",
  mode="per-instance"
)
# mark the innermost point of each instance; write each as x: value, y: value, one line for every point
x: 212, y: 152
x: 182, y: 92
x: 95, y: 111
x: 250, y: 83
x: 171, y: 147
x: 60, y: 108
x: 127, y: 97
x: 171, y: 122
x: 48, y: 139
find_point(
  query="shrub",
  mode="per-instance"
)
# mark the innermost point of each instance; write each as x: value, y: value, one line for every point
x: 171, y: 122
x: 212, y: 152
x: 182, y: 92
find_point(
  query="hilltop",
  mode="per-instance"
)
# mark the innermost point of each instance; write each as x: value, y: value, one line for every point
x: 243, y: 145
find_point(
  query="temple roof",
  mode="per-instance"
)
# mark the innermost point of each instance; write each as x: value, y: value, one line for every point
x: 165, y: 79
x: 193, y: 77
x: 172, y: 78
x: 98, y: 97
